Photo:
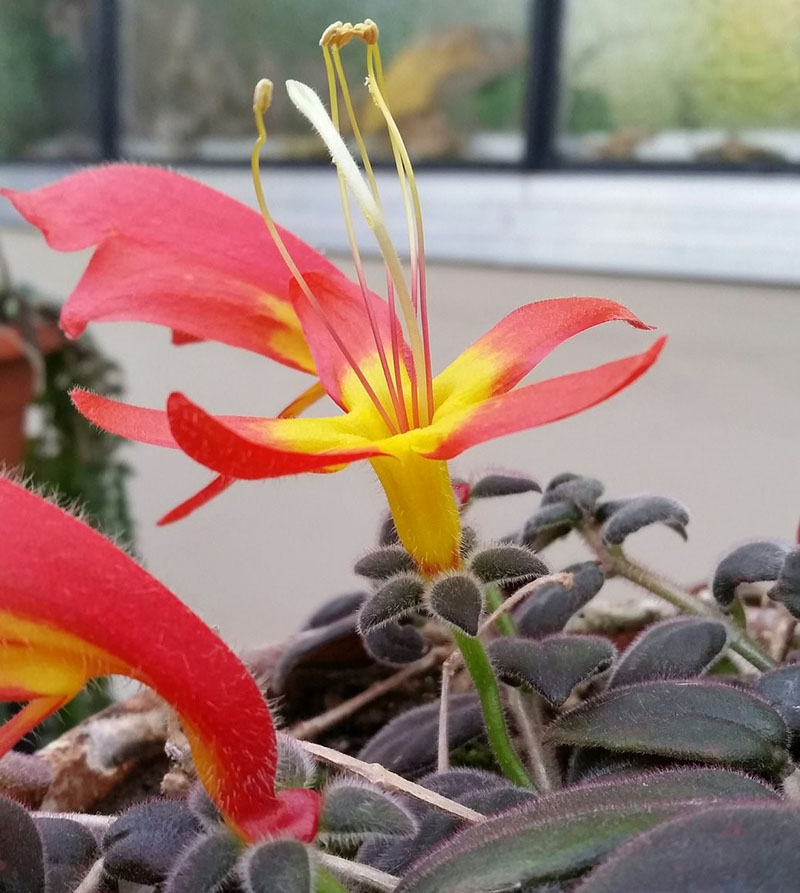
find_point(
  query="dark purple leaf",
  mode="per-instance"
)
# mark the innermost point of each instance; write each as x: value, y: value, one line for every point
x: 552, y: 666
x: 396, y: 644
x: 672, y: 649
x: 21, y: 851
x: 381, y: 564
x: 787, y: 589
x: 503, y: 485
x: 751, y: 563
x: 729, y: 848
x: 482, y: 791
x: 506, y: 564
x: 562, y: 834
x: 354, y: 811
x: 781, y: 688
x: 69, y: 850
x: 395, y: 599
x: 408, y: 743
x: 548, y: 610
x: 335, y: 609
x: 640, y: 511
x: 207, y: 865
x: 701, y: 721
x: 582, y: 492
x: 280, y: 866
x: 456, y: 599
x: 336, y: 644
x: 25, y: 778
x: 141, y: 846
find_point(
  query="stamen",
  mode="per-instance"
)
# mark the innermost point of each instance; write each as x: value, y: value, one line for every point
x: 377, y: 88
x: 348, y: 220
x: 262, y: 97
x: 310, y: 106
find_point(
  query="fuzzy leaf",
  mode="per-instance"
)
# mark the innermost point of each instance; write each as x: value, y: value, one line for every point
x: 751, y: 563
x: 396, y: 598
x: 206, y: 866
x: 506, y: 564
x: 781, y: 688
x: 554, y: 483
x: 742, y: 847
x: 334, y: 609
x: 388, y: 533
x: 556, y: 519
x: 672, y: 649
x: 203, y: 807
x: 280, y: 866
x: 641, y: 511
x: 142, y: 845
x: 548, y: 610
x: 384, y: 563
x: 582, y: 492
x: 483, y: 791
x: 561, y: 834
x: 503, y: 485
x: 469, y: 540
x: 25, y: 778
x: 456, y: 599
x: 787, y: 589
x: 553, y: 666
x: 69, y: 850
x: 295, y: 767
x: 408, y: 743
x: 336, y: 643
x: 353, y: 812
x: 21, y: 851
x: 704, y: 721
x: 396, y: 644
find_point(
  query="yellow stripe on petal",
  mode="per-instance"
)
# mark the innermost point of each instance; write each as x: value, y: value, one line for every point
x: 424, y: 509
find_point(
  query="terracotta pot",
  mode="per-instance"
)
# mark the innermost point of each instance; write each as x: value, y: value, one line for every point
x: 16, y: 388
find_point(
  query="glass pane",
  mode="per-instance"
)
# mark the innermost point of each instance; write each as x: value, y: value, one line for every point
x: 46, y: 107
x: 686, y: 81
x: 454, y: 72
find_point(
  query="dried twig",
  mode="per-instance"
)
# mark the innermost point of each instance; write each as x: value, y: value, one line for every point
x: 390, y: 781
x: 356, y: 871
x: 562, y: 578
x: 443, y: 746
x: 93, y: 882
x: 93, y: 758
x: 526, y: 707
x: 309, y: 729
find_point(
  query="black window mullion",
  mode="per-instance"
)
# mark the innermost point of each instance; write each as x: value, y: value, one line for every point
x: 547, y: 18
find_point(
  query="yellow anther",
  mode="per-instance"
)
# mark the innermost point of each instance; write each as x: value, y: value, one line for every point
x: 262, y: 96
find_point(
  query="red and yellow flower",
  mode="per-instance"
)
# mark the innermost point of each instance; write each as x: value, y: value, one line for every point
x: 74, y: 607
x: 183, y: 256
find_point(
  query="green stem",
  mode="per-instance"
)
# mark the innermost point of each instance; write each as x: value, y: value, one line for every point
x: 494, y: 598
x: 480, y: 669
x: 616, y: 562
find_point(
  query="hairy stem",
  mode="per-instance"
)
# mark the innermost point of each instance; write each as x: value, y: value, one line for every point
x: 615, y: 562
x: 480, y: 669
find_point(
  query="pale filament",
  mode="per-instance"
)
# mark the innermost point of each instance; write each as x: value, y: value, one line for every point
x: 399, y: 410
x: 377, y: 90
x: 373, y: 185
x: 261, y: 102
x: 337, y: 35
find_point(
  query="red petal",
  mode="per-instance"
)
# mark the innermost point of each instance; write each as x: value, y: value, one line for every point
x: 124, y: 419
x: 179, y: 338
x: 342, y: 304
x: 537, y: 404
x: 217, y: 486
x: 58, y: 572
x: 502, y: 357
x: 170, y: 214
x: 214, y: 443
